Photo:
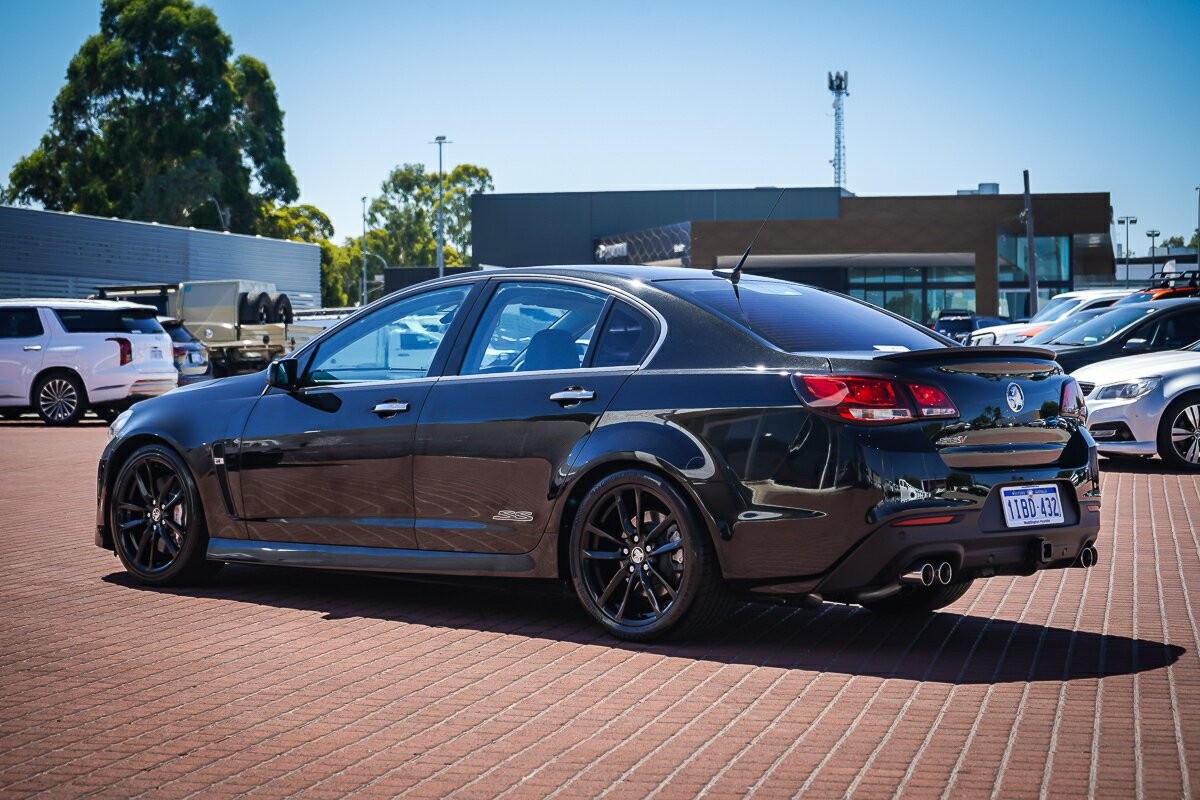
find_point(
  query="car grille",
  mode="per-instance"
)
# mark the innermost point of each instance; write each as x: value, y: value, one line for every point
x: 1086, y: 388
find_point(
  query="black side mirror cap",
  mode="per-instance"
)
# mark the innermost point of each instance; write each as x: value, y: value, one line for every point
x: 284, y: 374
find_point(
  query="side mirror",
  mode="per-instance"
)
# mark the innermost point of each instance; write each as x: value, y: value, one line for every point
x: 283, y: 374
x: 1135, y: 345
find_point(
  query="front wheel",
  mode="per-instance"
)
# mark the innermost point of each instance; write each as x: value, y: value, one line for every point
x: 640, y: 562
x: 920, y: 599
x: 1179, y: 433
x: 156, y: 519
x: 59, y: 399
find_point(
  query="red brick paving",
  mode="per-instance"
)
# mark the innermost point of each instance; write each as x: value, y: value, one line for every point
x: 279, y: 683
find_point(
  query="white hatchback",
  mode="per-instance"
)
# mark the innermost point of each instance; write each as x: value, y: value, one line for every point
x: 60, y: 357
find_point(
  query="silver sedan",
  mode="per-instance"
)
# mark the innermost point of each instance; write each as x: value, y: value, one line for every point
x: 1146, y: 404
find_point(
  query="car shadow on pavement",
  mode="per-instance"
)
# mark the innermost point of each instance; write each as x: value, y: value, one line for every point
x: 1141, y: 466
x: 944, y: 647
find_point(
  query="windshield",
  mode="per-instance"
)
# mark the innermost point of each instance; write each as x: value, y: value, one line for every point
x: 1063, y: 325
x: 1056, y: 309
x: 1103, y: 327
x: 799, y: 319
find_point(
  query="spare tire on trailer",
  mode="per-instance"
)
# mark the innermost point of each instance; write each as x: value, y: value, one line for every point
x: 281, y: 305
x: 256, y: 309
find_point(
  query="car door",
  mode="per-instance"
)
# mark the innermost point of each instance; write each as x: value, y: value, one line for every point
x: 529, y: 385
x: 23, y: 341
x: 330, y: 462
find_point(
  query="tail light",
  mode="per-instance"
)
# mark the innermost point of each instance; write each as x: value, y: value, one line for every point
x: 126, y: 348
x: 179, y: 352
x: 876, y: 400
x: 1073, y: 404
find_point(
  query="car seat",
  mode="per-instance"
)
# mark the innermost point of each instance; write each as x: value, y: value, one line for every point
x: 551, y: 348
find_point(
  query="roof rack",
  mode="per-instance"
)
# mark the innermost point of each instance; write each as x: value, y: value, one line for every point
x: 1166, y: 280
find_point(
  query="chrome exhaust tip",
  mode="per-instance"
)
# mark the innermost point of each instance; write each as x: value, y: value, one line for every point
x: 1088, y: 557
x: 945, y: 573
x: 923, y: 575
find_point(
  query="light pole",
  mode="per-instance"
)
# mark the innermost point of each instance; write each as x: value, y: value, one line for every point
x: 1152, y: 235
x: 386, y: 266
x: 441, y: 242
x: 362, y: 293
x: 1127, y: 221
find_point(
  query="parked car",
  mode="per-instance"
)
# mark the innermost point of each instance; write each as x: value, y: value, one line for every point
x: 1147, y: 404
x: 1059, y: 307
x: 759, y: 438
x: 62, y: 357
x: 1129, y: 330
x: 1065, y: 324
x: 958, y: 324
x: 190, y: 354
x: 1166, y: 286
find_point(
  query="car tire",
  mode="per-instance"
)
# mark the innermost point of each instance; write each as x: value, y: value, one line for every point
x: 635, y: 592
x: 156, y: 520
x: 59, y: 399
x: 1179, y: 433
x: 920, y: 599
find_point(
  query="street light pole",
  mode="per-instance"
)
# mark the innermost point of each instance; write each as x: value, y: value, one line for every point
x: 1127, y: 221
x: 362, y: 294
x: 441, y: 240
x: 1153, y: 235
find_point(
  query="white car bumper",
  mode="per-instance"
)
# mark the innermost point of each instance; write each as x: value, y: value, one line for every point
x: 1126, y: 426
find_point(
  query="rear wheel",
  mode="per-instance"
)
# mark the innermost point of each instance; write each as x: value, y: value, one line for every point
x: 59, y: 399
x: 1179, y: 433
x: 920, y: 599
x: 156, y: 519
x: 640, y: 562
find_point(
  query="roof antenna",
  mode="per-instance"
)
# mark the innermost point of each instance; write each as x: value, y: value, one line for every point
x: 736, y: 274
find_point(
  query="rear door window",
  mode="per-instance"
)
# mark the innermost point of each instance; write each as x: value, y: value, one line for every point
x: 19, y: 323
x: 627, y: 337
x: 799, y: 319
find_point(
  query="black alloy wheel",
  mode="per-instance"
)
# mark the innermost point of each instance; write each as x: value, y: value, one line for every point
x: 639, y: 561
x: 1179, y: 433
x: 156, y: 519
x: 59, y: 399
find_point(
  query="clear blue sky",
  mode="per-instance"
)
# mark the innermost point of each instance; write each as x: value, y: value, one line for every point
x: 567, y: 96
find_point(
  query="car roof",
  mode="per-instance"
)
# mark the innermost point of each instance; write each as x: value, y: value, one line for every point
x: 68, y: 302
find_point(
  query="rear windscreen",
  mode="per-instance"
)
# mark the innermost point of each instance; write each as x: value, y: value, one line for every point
x: 800, y: 319
x: 106, y: 320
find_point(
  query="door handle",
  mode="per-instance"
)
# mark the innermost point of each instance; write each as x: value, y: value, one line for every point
x: 31, y: 348
x: 389, y: 408
x: 572, y: 395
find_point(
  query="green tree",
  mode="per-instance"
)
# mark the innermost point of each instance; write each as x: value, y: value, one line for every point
x: 1173, y: 241
x: 404, y: 216
x: 156, y: 123
x: 1192, y: 243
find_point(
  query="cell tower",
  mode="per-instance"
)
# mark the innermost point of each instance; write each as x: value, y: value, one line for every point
x: 839, y: 84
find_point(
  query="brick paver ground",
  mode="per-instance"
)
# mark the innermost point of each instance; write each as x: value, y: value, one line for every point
x: 278, y: 682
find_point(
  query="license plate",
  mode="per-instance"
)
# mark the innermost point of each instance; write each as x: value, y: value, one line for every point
x: 195, y: 358
x: 156, y: 353
x: 1031, y: 505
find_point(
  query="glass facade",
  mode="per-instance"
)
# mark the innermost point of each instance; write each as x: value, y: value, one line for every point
x: 920, y: 292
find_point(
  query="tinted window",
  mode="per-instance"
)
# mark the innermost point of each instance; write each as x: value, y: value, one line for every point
x: 1170, y: 333
x: 396, y: 342
x: 105, y: 320
x: 800, y: 319
x: 1103, y: 327
x: 528, y: 327
x: 178, y: 333
x: 627, y: 336
x: 19, y: 323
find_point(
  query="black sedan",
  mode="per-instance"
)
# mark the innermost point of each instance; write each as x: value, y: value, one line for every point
x: 1127, y: 330
x: 665, y: 439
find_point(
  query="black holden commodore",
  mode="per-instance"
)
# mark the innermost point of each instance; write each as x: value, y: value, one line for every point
x: 665, y: 439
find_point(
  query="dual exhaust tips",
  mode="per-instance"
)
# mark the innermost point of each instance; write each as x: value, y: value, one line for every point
x: 927, y: 575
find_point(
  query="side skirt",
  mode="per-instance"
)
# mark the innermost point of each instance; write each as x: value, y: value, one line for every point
x: 370, y: 559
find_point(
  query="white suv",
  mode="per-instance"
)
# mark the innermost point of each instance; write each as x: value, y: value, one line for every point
x: 62, y: 357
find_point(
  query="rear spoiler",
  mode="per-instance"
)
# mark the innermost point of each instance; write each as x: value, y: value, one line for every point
x: 969, y: 353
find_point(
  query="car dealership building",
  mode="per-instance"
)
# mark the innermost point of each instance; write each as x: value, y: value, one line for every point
x: 913, y: 255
